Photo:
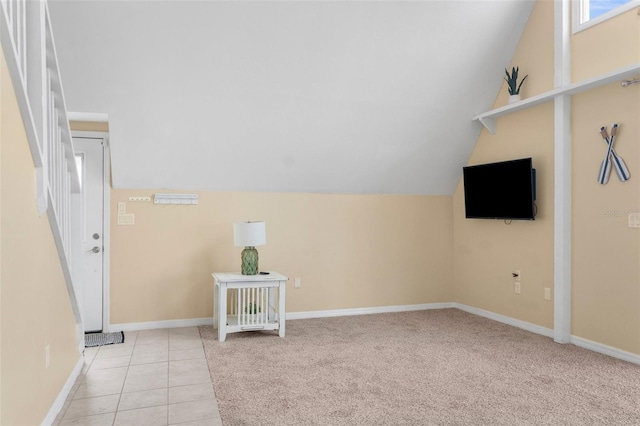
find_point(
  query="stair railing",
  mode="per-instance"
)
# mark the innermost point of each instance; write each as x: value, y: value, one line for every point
x: 29, y: 49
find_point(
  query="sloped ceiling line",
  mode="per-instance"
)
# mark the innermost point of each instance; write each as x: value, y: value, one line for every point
x: 331, y: 97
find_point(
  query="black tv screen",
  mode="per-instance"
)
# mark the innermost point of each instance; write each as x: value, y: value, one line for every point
x: 504, y: 190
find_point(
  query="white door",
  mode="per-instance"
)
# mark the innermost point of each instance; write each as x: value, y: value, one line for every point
x: 90, y: 155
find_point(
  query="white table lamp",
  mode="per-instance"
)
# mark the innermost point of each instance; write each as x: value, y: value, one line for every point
x: 249, y: 235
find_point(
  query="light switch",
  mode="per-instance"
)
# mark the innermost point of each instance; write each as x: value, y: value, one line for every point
x: 634, y: 220
x: 122, y: 207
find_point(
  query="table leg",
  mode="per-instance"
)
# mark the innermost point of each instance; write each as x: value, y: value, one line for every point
x: 222, y: 313
x: 281, y: 311
x: 216, y: 297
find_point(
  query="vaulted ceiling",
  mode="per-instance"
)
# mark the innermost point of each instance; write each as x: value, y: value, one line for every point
x: 293, y: 96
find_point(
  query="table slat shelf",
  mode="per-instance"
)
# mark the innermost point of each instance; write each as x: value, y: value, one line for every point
x: 247, y: 303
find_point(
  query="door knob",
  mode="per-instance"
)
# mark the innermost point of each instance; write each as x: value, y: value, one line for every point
x: 96, y: 249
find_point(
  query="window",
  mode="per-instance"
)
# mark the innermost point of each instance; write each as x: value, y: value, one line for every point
x: 587, y: 13
x: 79, y: 166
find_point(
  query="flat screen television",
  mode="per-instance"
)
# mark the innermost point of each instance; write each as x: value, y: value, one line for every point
x: 504, y: 190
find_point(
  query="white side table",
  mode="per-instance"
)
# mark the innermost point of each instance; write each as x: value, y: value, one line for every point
x: 250, y: 304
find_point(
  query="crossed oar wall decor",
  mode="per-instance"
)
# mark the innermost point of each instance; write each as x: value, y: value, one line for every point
x: 612, y: 158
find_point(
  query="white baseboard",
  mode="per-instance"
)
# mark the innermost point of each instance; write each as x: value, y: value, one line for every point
x: 150, y: 325
x: 64, y: 393
x: 544, y: 331
x: 578, y: 341
x: 366, y: 311
x: 605, y: 350
x: 506, y: 320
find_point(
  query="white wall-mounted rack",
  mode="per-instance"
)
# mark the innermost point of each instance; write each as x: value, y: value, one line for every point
x: 175, y: 199
x: 488, y: 119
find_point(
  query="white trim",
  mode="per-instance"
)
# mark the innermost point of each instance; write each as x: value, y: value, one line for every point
x: 106, y: 237
x: 562, y: 48
x: 578, y: 9
x: 367, y: 311
x: 421, y: 307
x: 575, y: 340
x: 12, y: 59
x: 54, y: 65
x: 524, y: 325
x: 151, y: 325
x: 562, y: 220
x: 96, y: 117
x: 605, y: 350
x: 562, y: 176
x: 64, y: 393
x: 90, y: 134
x: 80, y: 337
x: 534, y: 328
x: 106, y: 222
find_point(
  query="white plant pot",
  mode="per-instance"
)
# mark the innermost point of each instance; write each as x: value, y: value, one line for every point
x: 514, y: 98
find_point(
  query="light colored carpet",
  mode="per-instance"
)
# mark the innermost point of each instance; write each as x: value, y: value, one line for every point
x: 441, y: 367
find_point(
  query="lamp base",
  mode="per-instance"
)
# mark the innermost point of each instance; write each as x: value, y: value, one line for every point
x: 249, y: 258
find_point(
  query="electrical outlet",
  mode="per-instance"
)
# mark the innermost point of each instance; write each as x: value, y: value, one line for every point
x: 547, y: 293
x: 47, y: 356
x: 127, y: 219
x: 517, y: 287
x: 296, y: 283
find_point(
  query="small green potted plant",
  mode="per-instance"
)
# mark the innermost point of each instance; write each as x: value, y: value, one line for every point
x: 252, y: 310
x: 512, y: 84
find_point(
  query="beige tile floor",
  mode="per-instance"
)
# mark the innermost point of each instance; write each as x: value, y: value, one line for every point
x: 156, y: 377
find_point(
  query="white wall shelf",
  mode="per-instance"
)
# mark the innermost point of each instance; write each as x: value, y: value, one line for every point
x: 488, y: 119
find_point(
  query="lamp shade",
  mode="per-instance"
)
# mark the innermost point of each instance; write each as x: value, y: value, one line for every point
x: 249, y: 234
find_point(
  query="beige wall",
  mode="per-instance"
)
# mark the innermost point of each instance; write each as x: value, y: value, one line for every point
x: 606, y: 252
x: 486, y: 252
x: 608, y: 46
x: 350, y: 251
x: 89, y: 126
x: 605, y: 266
x: 34, y: 304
